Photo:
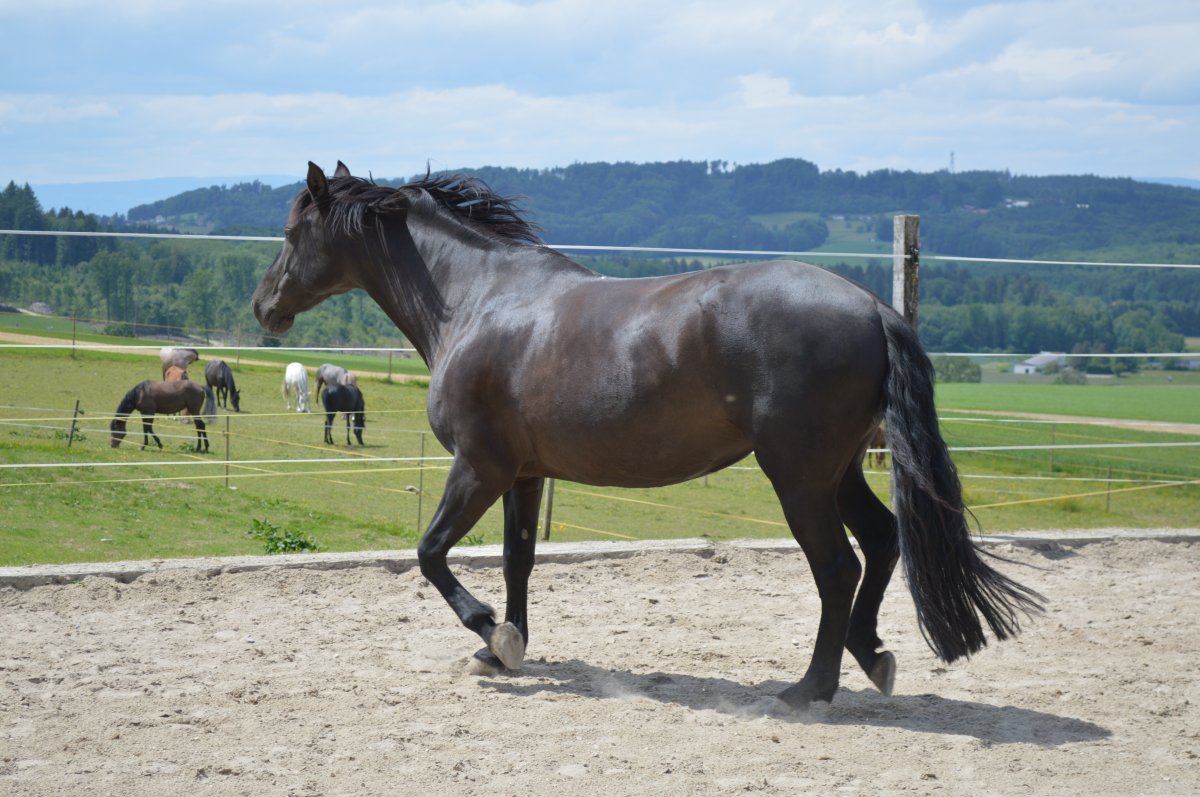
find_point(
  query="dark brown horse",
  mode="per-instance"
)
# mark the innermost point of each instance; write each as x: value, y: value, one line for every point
x: 164, y: 398
x: 346, y: 399
x: 541, y: 368
x: 219, y: 376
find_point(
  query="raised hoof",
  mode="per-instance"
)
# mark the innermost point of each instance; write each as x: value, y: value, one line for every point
x: 883, y: 674
x: 508, y: 645
x: 485, y: 663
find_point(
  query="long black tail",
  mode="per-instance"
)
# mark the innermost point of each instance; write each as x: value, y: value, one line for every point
x: 950, y: 583
x: 210, y: 405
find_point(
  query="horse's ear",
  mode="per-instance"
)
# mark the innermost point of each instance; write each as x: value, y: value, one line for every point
x: 318, y: 186
x: 341, y: 170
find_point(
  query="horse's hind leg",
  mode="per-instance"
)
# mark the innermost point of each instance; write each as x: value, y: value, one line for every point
x: 810, y: 509
x: 521, y: 505
x: 148, y: 432
x: 875, y: 529
x: 201, y: 434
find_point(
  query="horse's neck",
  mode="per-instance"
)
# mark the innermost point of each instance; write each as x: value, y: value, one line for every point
x: 465, y: 272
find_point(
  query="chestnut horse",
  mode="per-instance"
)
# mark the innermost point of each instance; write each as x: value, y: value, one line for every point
x: 542, y: 368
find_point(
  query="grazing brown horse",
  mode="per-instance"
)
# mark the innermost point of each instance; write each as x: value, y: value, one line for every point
x: 542, y: 368
x: 164, y: 398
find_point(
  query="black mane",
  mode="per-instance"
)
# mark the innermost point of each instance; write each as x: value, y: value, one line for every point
x: 467, y: 198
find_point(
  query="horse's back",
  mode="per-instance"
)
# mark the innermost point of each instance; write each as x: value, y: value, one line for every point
x: 650, y: 381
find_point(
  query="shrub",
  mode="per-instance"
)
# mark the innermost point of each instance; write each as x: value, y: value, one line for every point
x: 277, y: 540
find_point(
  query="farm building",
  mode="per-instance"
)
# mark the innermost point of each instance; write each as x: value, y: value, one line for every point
x: 1040, y: 362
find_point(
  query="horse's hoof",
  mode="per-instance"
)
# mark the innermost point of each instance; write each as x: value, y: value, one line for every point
x: 508, y: 645
x: 484, y: 663
x: 883, y: 674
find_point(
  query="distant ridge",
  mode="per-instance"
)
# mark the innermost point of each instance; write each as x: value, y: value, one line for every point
x: 118, y: 196
x: 1182, y: 182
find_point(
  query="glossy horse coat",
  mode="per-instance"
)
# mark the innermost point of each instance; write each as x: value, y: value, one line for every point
x: 164, y: 398
x: 541, y: 368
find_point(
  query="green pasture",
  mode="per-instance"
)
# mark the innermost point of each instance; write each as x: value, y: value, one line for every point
x: 130, y: 510
x: 399, y: 363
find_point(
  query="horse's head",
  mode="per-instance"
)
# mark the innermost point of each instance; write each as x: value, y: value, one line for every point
x: 235, y: 396
x: 117, y: 428
x: 360, y: 422
x: 313, y: 263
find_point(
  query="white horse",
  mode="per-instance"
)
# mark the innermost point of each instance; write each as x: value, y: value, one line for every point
x: 295, y: 379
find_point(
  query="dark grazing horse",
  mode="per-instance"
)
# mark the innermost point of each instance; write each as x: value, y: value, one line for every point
x: 219, y: 377
x: 165, y: 398
x: 347, y: 399
x: 542, y: 368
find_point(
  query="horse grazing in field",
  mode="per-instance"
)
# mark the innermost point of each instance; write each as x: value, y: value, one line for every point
x: 346, y: 399
x: 327, y: 374
x: 295, y: 380
x: 164, y: 398
x: 219, y: 376
x: 542, y: 368
x: 182, y: 358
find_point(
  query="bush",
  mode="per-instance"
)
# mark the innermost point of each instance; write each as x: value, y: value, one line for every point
x: 956, y: 369
x: 1071, y: 376
x: 277, y: 540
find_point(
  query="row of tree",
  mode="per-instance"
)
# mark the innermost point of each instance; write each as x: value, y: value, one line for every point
x: 206, y: 285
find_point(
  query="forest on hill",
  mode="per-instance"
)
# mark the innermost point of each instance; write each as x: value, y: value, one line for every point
x: 785, y: 205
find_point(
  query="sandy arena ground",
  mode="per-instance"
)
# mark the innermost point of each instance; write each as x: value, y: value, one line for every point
x: 651, y: 675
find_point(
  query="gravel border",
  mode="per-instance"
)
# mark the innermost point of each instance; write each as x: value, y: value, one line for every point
x: 399, y: 561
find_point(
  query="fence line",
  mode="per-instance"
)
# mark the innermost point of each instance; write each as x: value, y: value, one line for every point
x: 647, y: 249
x: 118, y: 347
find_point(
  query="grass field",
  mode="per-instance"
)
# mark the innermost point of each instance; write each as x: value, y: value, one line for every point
x: 130, y: 509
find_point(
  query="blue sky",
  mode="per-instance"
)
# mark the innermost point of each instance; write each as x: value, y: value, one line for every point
x: 138, y: 89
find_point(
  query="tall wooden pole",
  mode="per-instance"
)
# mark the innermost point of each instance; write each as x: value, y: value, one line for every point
x: 906, y: 263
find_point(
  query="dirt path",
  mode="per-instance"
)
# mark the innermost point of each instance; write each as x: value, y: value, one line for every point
x: 647, y: 676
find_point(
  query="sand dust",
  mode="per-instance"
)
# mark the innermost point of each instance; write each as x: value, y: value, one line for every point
x: 645, y: 676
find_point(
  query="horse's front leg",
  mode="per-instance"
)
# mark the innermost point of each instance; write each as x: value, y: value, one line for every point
x: 521, y: 506
x: 466, y: 497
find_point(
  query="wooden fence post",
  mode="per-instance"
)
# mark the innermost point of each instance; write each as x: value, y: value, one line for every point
x: 74, y: 417
x: 906, y: 263
x: 420, y: 481
x: 549, y: 508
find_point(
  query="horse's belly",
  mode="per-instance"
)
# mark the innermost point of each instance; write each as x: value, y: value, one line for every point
x: 640, y: 454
